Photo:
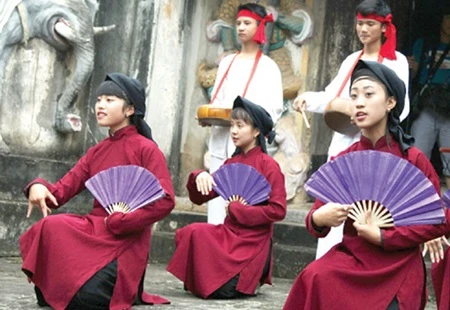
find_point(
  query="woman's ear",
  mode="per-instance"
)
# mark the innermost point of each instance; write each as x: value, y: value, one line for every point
x: 392, y: 102
x: 256, y: 132
x: 129, y: 110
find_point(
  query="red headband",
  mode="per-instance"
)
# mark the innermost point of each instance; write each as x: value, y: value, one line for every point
x: 388, y: 48
x: 260, y: 36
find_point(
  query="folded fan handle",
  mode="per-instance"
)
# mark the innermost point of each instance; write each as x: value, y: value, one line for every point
x: 354, y: 217
x: 117, y: 207
x: 380, y: 215
x: 237, y: 198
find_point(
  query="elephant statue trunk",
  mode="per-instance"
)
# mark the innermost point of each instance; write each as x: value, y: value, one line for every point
x: 67, y: 120
x: 66, y: 25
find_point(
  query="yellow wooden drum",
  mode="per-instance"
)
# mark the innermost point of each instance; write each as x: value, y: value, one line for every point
x: 213, y: 115
x: 337, y: 116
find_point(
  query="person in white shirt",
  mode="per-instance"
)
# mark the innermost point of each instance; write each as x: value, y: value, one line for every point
x: 373, y: 27
x: 247, y: 73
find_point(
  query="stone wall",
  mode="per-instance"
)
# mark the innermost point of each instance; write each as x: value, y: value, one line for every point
x: 157, y: 41
x: 160, y: 42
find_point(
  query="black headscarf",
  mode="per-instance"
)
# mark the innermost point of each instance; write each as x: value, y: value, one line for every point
x: 261, y: 120
x: 131, y: 90
x: 395, y: 88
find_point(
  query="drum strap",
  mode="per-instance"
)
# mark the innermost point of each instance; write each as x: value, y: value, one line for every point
x: 255, y: 64
x: 349, y: 74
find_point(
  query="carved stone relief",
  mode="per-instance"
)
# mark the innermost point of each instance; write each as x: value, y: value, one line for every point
x: 67, y: 27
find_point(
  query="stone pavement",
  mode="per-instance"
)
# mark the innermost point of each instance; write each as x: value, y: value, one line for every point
x: 17, y: 294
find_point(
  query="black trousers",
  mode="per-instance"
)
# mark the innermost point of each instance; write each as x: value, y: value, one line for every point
x: 393, y: 305
x: 228, y: 290
x: 95, y: 294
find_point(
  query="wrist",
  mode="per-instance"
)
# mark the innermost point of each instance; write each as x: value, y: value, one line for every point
x: 316, y: 221
x: 113, y: 222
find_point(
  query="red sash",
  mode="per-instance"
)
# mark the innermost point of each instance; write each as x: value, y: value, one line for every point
x: 349, y: 74
x: 255, y: 64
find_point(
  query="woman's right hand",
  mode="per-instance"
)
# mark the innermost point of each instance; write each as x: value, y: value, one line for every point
x: 299, y: 104
x: 37, y: 195
x: 204, y: 182
x: 331, y: 214
x: 435, y: 248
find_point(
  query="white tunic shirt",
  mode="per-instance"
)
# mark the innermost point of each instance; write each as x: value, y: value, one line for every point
x: 265, y: 89
x: 317, y: 101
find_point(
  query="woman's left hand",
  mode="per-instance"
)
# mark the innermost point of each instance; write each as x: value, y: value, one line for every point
x: 370, y: 231
x: 435, y: 248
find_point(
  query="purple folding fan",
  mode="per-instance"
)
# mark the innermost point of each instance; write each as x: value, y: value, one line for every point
x: 241, y: 182
x: 396, y: 192
x: 446, y: 198
x: 125, y: 188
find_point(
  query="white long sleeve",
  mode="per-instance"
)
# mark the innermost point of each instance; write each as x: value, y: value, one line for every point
x: 317, y: 101
x: 265, y: 89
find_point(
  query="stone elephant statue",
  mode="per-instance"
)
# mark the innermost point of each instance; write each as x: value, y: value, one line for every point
x: 67, y: 26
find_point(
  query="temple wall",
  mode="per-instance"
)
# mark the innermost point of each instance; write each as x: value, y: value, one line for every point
x: 160, y: 42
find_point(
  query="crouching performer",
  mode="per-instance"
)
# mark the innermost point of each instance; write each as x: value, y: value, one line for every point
x: 98, y: 261
x: 371, y: 268
x: 231, y: 260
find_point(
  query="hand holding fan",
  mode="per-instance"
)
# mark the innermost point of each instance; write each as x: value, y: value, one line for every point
x: 396, y: 192
x: 240, y: 182
x: 125, y: 188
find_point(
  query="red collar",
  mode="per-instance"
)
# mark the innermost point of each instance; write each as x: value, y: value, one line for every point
x: 125, y: 131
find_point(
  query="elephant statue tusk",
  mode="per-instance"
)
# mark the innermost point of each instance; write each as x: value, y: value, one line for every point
x: 103, y: 30
x: 67, y: 26
x: 66, y: 32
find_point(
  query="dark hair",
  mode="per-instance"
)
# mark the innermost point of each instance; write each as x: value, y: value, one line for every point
x: 109, y: 88
x: 242, y: 114
x: 134, y: 120
x: 377, y: 7
x: 255, y: 8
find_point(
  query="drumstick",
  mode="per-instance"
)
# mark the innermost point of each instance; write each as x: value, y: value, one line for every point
x: 305, y: 119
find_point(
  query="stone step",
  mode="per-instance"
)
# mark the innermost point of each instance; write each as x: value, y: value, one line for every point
x: 286, y: 233
x: 288, y: 260
x: 13, y: 221
x: 293, y: 234
x: 293, y: 246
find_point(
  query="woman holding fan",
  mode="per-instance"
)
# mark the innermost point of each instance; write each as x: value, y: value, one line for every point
x: 247, y: 73
x: 377, y: 34
x: 371, y: 267
x: 83, y: 262
x: 230, y: 260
